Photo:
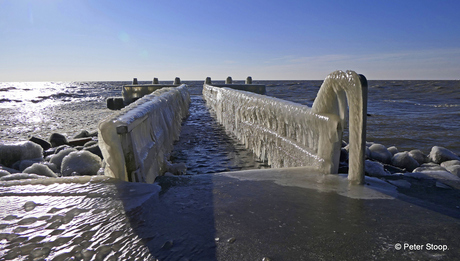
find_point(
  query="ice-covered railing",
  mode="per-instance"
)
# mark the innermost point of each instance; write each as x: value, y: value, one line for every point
x: 136, y: 140
x: 288, y: 134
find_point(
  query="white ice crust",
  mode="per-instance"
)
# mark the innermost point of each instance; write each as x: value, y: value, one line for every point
x: 288, y: 134
x: 136, y: 140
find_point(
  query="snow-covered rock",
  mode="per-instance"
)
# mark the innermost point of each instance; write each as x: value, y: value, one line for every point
x: 375, y: 169
x: 419, y: 156
x: 40, y: 169
x: 380, y: 153
x: 80, y: 163
x: 4, y: 173
x: 440, y: 154
x: 405, y: 161
x: 11, y: 153
x: 57, y: 158
x: 393, y: 150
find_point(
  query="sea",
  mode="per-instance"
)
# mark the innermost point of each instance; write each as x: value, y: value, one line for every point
x: 97, y: 218
x: 408, y: 114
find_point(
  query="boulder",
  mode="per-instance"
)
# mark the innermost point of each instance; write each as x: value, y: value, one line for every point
x: 57, y: 139
x: 43, y: 143
x: 82, y: 134
x: 57, y: 158
x: 440, y: 154
x: 24, y: 164
x: 95, y: 150
x: 450, y: 163
x: 393, y: 150
x: 380, y: 153
x: 419, y: 156
x: 454, y: 169
x: 405, y: 161
x: 11, y: 153
x: 80, y: 163
x: 375, y: 169
x: 4, y: 173
x: 40, y: 169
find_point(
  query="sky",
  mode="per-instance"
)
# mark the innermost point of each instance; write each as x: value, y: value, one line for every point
x: 109, y: 40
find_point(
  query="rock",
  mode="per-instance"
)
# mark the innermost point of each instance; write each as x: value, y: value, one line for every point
x: 40, y: 169
x: 62, y: 147
x: 10, y: 170
x: 95, y: 150
x: 49, y: 151
x: 380, y: 153
x: 429, y: 167
x: 177, y: 168
x: 450, y: 163
x: 57, y: 158
x: 79, y: 147
x: 440, y: 154
x: 18, y: 176
x: 419, y: 156
x: 404, y: 160
x: 82, y: 134
x: 454, y: 170
x: 51, y: 166
x: 11, y: 153
x: 43, y: 143
x: 57, y: 139
x: 393, y: 150
x: 4, y: 173
x: 91, y: 143
x: 80, y: 163
x: 375, y: 169
x: 24, y: 164
x: 79, y: 142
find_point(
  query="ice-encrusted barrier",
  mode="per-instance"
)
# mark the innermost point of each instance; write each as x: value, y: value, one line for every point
x: 288, y: 134
x: 136, y: 140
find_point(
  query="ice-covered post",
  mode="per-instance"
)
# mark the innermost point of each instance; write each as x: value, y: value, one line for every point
x: 155, y: 81
x: 249, y: 80
x: 208, y: 80
x: 338, y: 88
x: 134, y: 80
x: 229, y: 80
x: 177, y: 81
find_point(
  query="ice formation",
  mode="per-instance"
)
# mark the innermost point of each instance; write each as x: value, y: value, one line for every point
x: 289, y: 134
x: 136, y: 140
x: 79, y: 163
x: 11, y: 153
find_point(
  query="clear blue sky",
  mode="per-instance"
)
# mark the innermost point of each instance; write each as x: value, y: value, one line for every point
x: 65, y: 40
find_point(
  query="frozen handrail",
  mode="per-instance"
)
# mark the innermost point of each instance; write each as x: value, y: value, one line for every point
x: 136, y: 140
x: 289, y: 134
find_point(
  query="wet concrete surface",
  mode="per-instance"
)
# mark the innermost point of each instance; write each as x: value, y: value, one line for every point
x: 282, y: 215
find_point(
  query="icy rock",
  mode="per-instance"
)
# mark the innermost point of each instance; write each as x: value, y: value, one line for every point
x: 405, y: 161
x: 440, y: 154
x: 429, y: 167
x: 176, y: 169
x: 43, y: 143
x: 60, y: 148
x: 419, y: 156
x: 82, y: 134
x: 95, y: 150
x: 455, y: 170
x: 90, y: 143
x: 375, y: 169
x: 393, y: 150
x: 57, y: 158
x: 10, y: 170
x: 24, y: 164
x: 80, y: 163
x: 57, y: 139
x: 4, y: 173
x: 51, y: 166
x: 450, y: 163
x: 40, y: 169
x: 18, y: 176
x: 380, y: 153
x: 11, y: 153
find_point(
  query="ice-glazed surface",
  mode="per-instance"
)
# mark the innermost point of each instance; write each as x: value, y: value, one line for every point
x: 136, y: 140
x: 131, y: 93
x: 288, y: 134
x: 74, y: 218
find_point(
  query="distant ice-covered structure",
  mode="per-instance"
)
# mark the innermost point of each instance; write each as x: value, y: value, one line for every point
x: 136, y: 140
x: 288, y: 134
